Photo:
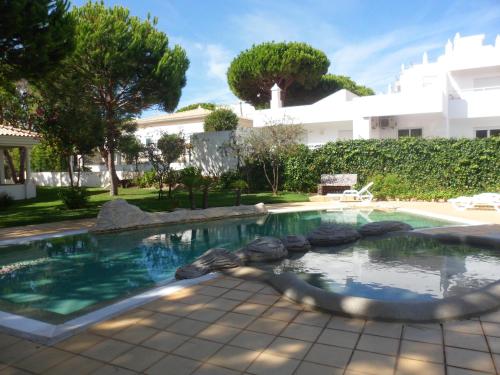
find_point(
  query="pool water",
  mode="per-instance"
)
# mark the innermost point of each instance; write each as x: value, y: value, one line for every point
x: 60, y: 278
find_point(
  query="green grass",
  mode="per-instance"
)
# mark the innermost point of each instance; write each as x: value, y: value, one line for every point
x: 47, y: 207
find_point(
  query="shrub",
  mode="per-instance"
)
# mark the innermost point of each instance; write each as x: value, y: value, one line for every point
x: 5, y: 200
x: 74, y: 197
x: 146, y: 180
x: 220, y: 119
x: 389, y: 186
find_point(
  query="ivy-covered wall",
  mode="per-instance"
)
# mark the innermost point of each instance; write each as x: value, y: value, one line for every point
x: 445, y: 166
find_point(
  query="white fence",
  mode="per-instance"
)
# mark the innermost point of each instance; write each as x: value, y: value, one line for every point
x: 87, y: 179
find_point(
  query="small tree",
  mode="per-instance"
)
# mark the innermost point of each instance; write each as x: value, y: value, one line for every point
x: 206, y: 182
x: 131, y: 148
x: 269, y: 146
x: 191, y: 179
x: 221, y: 119
x: 238, y: 186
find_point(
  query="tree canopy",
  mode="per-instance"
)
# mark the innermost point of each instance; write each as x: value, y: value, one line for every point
x: 328, y: 84
x: 34, y: 36
x: 254, y: 71
x: 123, y: 65
x: 220, y: 119
x: 209, y: 106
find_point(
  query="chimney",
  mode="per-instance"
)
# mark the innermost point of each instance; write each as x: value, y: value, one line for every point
x: 276, y: 101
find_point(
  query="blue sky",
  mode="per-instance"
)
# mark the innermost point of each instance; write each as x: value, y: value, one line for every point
x: 365, y: 39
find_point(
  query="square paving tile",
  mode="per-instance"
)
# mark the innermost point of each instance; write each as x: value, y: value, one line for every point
x: 234, y: 358
x: 290, y: 348
x: 211, y: 290
x: 338, y: 338
x: 79, y: 342
x: 431, y: 336
x: 493, y: 317
x: 169, y: 307
x: 372, y: 363
x: 43, y: 360
x: 422, y: 351
x: 235, y: 320
x: 465, y: 340
x: 269, y: 364
x: 219, y: 333
x: 173, y: 364
x: 469, y: 359
x: 251, y: 309
x: 328, y: 355
x: 491, y: 329
x: 461, y: 371
x: 263, y: 299
x: 196, y: 299
x: 301, y: 332
x: 288, y: 304
x: 18, y: 350
x: 223, y: 304
x: 208, y: 369
x: 198, y: 349
x: 312, y: 318
x: 412, y: 367
x: 464, y: 326
x: 270, y: 326
x: 107, y: 350
x: 252, y: 340
x: 226, y: 283
x: 138, y: 359
x: 309, y: 368
x: 239, y: 295
x: 113, y: 370
x: 250, y: 286
x: 75, y: 365
x: 346, y: 324
x: 135, y: 334
x: 187, y: 327
x: 206, y: 315
x: 165, y: 341
x: 280, y: 313
x: 158, y: 320
x: 7, y: 340
x: 384, y: 329
x: 378, y: 344
x: 269, y: 290
x: 494, y: 343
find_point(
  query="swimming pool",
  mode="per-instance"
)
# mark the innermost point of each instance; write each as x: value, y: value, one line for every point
x: 57, y: 279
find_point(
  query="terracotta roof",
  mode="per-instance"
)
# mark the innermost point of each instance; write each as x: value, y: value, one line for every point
x: 16, y: 132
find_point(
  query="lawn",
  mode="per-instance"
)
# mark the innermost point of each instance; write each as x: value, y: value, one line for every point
x: 47, y: 207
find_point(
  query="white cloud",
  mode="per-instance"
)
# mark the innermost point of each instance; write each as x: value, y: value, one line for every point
x: 218, y: 61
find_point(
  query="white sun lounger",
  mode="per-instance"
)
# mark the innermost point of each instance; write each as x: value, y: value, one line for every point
x: 362, y: 194
x: 477, y: 201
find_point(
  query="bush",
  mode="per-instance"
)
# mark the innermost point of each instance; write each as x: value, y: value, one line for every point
x: 220, y: 119
x: 74, y: 197
x: 146, y: 180
x: 389, y: 186
x: 5, y: 200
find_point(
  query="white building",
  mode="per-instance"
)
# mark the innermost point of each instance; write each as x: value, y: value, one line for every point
x: 458, y: 95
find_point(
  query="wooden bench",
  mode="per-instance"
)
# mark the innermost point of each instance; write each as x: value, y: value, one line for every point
x: 336, y: 183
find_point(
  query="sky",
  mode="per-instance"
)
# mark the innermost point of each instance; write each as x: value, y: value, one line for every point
x: 367, y: 40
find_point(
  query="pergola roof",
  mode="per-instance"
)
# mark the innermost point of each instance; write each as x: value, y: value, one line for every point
x: 14, y: 137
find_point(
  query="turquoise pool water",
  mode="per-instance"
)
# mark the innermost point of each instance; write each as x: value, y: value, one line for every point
x: 60, y: 278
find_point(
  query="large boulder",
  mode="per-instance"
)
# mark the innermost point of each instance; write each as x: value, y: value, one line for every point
x: 265, y: 249
x: 378, y: 228
x: 118, y: 214
x: 210, y: 261
x: 296, y: 244
x: 332, y: 234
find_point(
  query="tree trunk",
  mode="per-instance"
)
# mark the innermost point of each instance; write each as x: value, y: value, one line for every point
x: 113, y: 178
x: 70, y: 171
x: 22, y: 165
x: 238, y: 197
x: 191, y: 198
x: 205, y: 196
x: 10, y: 162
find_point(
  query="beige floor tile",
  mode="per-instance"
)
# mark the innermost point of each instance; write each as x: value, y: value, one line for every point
x: 301, y: 332
x: 206, y: 315
x: 422, y: 351
x: 79, y: 342
x: 280, y: 313
x: 263, y: 299
x: 328, y: 355
x: 465, y: 340
x: 269, y: 364
x: 198, y: 349
x: 165, y: 341
x: 288, y: 304
x: 378, y: 344
x: 312, y: 318
x: 75, y: 365
x: 251, y: 309
x: 462, y: 371
x: 469, y: 359
x: 111, y: 327
x: 491, y: 329
x: 496, y: 360
x: 372, y: 363
x: 235, y: 320
x: 269, y: 290
x: 250, y: 286
x: 172, y: 308
x: 493, y: 317
x: 346, y: 324
x: 226, y: 283
x: 252, y: 340
x: 19, y: 350
x: 413, y: 367
x: 308, y: 368
x: 43, y: 360
x: 392, y: 330
x: 208, y: 369
x: 464, y: 326
x: 173, y: 364
x: 113, y: 370
x: 494, y: 343
x: 213, y: 291
x: 219, y: 333
x: 138, y: 359
x: 234, y: 358
x: 272, y: 327
x: 187, y: 327
x: 13, y: 371
x: 7, y: 340
x: 135, y: 334
x: 338, y: 338
x: 290, y: 348
x: 238, y: 295
x: 107, y: 350
x: 196, y: 299
x: 158, y: 320
x: 223, y: 304
x: 431, y: 336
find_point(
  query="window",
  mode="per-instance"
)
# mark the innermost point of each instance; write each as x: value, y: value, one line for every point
x: 410, y: 133
x: 485, y: 133
x: 149, y: 141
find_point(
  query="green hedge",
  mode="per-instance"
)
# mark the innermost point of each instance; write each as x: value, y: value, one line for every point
x: 446, y: 166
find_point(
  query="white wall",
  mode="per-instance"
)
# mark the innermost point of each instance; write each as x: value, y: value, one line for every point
x: 19, y: 191
x: 87, y: 179
x: 466, y: 127
x: 155, y: 132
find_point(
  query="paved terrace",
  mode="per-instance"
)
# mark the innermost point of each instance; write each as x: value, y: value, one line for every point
x: 229, y: 326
